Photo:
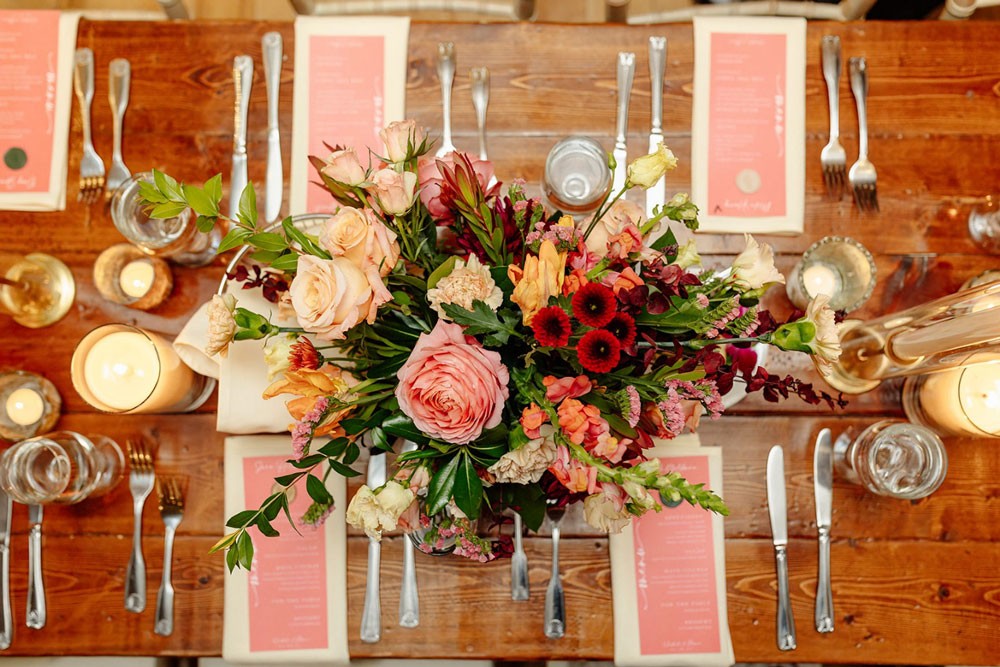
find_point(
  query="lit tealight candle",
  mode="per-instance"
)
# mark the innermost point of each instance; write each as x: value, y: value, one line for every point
x: 137, y: 278
x: 820, y: 279
x: 25, y: 406
x: 960, y: 401
x: 121, y: 369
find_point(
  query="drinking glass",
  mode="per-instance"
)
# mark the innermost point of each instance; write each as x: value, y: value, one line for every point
x: 61, y: 467
x: 892, y: 458
x: 984, y: 225
x: 176, y: 238
x: 837, y: 266
x: 36, y: 289
x: 577, y: 175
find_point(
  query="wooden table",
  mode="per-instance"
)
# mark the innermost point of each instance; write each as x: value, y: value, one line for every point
x: 913, y: 582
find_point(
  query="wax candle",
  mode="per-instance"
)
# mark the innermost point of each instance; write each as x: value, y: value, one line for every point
x: 960, y: 401
x: 121, y: 369
x: 25, y: 406
x: 820, y: 279
x: 137, y: 278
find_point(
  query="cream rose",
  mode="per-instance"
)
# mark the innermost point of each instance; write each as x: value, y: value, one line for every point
x: 527, y: 463
x: 468, y: 281
x: 221, y: 325
x: 400, y: 138
x: 645, y: 171
x: 393, y: 191
x: 343, y: 166
x: 754, y: 267
x: 375, y: 512
x: 605, y: 510
x: 331, y: 296
x: 361, y: 237
x: 276, y: 351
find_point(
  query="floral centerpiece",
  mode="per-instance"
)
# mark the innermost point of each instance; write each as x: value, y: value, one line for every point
x: 531, y: 359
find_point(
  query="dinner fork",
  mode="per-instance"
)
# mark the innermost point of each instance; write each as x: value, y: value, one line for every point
x: 833, y: 157
x: 862, y: 175
x: 140, y: 483
x: 119, y: 81
x: 172, y: 511
x: 555, y: 598
x: 446, y: 73
x: 91, y: 166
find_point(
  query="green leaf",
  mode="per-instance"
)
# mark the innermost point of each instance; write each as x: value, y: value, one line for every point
x: 480, y: 320
x: 213, y: 188
x: 244, y: 549
x: 305, y: 242
x: 417, y: 454
x: 240, y: 519
x: 668, y: 238
x: 354, y: 425
x: 232, y: 554
x: 288, y: 513
x: 168, y: 210
x: 352, y: 453
x: 335, y: 447
x: 289, y: 262
x: 529, y: 501
x: 204, y: 224
x: 268, y: 241
x: 234, y: 238
x: 317, y: 490
x: 440, y: 488
x: 307, y: 462
x: 168, y: 186
x: 265, y: 256
x: 343, y: 470
x: 379, y: 439
x: 289, y: 479
x: 443, y: 270
x: 149, y: 192
x: 272, y: 506
x: 402, y: 426
x: 265, y: 527
x: 248, y: 206
x: 468, y: 489
x: 200, y: 201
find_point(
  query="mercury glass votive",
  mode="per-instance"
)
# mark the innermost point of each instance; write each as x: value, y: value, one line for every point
x: 35, y: 289
x: 836, y: 266
x: 125, y: 275
x: 29, y: 404
x: 124, y: 369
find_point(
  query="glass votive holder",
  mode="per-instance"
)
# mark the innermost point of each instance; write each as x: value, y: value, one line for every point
x: 893, y: 458
x: 124, y: 369
x: 837, y: 266
x: 61, y: 467
x: 35, y: 289
x: 125, y: 275
x: 176, y: 238
x: 959, y: 401
x: 29, y: 404
x: 984, y: 225
x: 577, y: 175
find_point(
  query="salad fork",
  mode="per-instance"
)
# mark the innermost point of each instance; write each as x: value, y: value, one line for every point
x: 555, y: 598
x: 91, y: 165
x: 172, y: 511
x: 140, y: 483
x: 833, y: 157
x: 119, y: 81
x: 862, y: 175
x: 446, y: 73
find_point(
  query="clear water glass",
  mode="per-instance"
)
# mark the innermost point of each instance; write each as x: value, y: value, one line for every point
x: 837, y: 266
x: 62, y: 467
x: 984, y: 225
x: 177, y: 238
x: 577, y: 175
x: 893, y: 459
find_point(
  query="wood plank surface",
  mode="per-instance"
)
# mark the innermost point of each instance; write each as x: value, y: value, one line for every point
x: 914, y: 583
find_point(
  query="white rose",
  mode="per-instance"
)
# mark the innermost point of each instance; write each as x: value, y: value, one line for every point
x: 330, y: 296
x: 468, y: 281
x: 605, y: 514
x: 645, y: 171
x: 394, y: 498
x: 754, y: 267
x: 221, y: 325
x: 527, y: 463
x: 363, y: 513
x: 687, y: 255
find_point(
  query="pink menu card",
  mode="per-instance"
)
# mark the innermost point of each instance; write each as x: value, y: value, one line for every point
x: 36, y: 52
x: 291, y: 606
x: 748, y: 134
x: 668, y: 576
x: 350, y: 81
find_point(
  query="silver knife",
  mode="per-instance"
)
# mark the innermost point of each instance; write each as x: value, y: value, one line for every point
x: 626, y: 72
x: 6, y: 620
x: 409, y: 599
x: 656, y: 195
x: 243, y: 80
x: 823, y: 480
x: 271, y: 46
x: 520, y: 588
x: 35, y: 617
x: 480, y: 77
x: 371, y: 616
x: 777, y: 508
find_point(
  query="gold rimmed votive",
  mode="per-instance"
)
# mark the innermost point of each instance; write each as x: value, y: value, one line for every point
x: 37, y: 290
x: 29, y: 404
x: 125, y: 275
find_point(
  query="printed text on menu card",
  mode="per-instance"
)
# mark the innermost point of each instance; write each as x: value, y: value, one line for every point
x: 29, y: 46
x: 675, y: 588
x: 346, y: 101
x: 746, y: 128
x: 287, y: 584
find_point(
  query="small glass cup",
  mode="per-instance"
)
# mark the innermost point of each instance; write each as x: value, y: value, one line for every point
x: 119, y: 368
x: 894, y: 459
x: 36, y: 289
x: 177, y: 238
x: 61, y: 467
x: 837, y: 266
x: 984, y: 225
x: 960, y: 401
x: 125, y: 275
x: 29, y: 404
x: 577, y: 175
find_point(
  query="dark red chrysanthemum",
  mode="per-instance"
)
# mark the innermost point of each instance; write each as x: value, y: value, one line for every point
x: 623, y: 327
x: 551, y: 326
x: 594, y: 305
x: 599, y: 351
x: 303, y: 355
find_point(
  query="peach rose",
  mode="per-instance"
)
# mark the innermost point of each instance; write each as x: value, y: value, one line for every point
x: 399, y: 138
x: 612, y: 223
x: 451, y: 387
x: 331, y: 296
x: 393, y: 191
x: 343, y: 166
x: 359, y: 235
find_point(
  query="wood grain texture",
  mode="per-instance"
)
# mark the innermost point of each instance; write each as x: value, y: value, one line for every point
x: 914, y: 583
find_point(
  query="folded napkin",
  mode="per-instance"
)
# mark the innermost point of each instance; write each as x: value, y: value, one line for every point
x: 292, y: 606
x: 668, y: 574
x: 748, y: 134
x: 36, y: 67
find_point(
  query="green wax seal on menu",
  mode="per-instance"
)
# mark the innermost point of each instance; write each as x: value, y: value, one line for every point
x: 15, y: 158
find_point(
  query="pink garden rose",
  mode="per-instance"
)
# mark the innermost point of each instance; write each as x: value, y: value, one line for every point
x: 429, y: 180
x: 398, y: 137
x: 330, y: 296
x: 394, y: 192
x: 451, y: 387
x: 344, y: 166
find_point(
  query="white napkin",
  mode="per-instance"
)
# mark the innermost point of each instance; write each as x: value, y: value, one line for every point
x: 292, y: 606
x: 641, y: 598
x: 36, y: 123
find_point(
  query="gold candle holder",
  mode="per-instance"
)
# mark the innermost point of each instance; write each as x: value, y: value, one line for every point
x: 29, y: 404
x: 125, y: 275
x: 37, y: 290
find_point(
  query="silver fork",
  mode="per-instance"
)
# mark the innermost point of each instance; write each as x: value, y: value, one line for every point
x: 862, y: 175
x: 91, y: 166
x: 172, y: 511
x: 833, y: 157
x: 446, y: 72
x: 480, y: 101
x: 119, y: 81
x: 140, y: 483
x: 555, y: 598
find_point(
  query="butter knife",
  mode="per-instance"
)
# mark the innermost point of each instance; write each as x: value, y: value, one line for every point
x: 480, y: 77
x: 409, y: 598
x: 777, y: 508
x: 626, y: 72
x: 6, y: 620
x: 243, y: 81
x: 271, y: 46
x: 656, y: 195
x: 35, y: 617
x: 823, y: 479
x: 371, y: 616
x: 446, y: 74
